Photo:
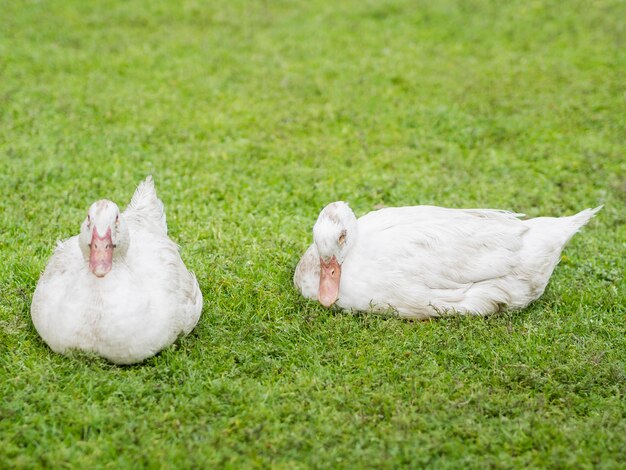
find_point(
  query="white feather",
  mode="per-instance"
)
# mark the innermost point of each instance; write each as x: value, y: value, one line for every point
x: 141, y: 306
x: 425, y: 261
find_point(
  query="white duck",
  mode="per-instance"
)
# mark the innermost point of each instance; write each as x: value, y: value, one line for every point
x: 427, y: 261
x: 119, y: 288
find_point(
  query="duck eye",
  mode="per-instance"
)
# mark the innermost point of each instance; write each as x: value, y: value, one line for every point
x: 117, y: 220
x: 342, y: 238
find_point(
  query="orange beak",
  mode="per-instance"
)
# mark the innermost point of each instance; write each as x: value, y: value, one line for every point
x: 330, y: 275
x: 100, y: 253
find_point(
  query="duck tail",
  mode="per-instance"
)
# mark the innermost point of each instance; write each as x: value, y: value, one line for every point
x: 544, y: 242
x: 584, y: 216
x: 145, y: 205
x: 577, y: 221
x: 553, y: 233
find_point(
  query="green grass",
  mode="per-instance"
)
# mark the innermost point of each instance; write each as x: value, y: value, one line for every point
x: 252, y: 116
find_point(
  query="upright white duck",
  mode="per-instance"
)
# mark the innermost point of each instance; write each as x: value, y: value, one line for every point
x: 427, y: 261
x: 119, y: 288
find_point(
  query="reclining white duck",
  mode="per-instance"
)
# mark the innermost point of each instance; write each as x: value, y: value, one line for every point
x: 427, y: 261
x: 119, y: 288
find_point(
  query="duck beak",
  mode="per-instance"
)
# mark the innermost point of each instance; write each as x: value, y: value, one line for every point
x: 330, y: 274
x: 100, y: 253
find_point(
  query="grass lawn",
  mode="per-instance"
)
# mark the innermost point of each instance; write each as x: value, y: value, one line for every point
x: 252, y: 116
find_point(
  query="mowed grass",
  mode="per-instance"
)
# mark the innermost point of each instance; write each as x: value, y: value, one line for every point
x: 252, y: 116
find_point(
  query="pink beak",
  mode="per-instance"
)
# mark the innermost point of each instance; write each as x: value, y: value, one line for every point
x: 330, y: 275
x: 100, y: 253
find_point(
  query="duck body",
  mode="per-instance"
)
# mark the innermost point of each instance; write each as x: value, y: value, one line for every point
x: 140, y: 306
x: 426, y: 261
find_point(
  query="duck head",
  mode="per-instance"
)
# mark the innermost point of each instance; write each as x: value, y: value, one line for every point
x: 334, y: 234
x: 103, y: 236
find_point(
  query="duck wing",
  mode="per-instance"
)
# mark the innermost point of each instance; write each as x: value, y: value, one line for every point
x: 445, y: 248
